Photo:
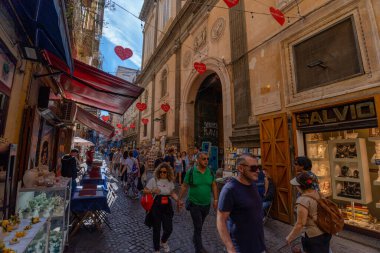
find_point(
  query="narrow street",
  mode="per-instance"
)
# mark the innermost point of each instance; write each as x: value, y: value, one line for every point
x: 129, y: 234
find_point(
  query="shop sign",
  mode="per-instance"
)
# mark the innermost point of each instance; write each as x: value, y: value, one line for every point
x: 347, y: 113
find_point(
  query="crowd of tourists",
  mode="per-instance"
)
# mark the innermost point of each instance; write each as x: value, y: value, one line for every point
x: 241, y: 206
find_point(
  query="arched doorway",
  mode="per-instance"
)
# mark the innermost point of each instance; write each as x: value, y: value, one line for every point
x: 208, y: 119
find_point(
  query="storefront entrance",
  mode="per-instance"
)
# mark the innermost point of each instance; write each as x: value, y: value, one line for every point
x: 275, y: 157
x: 208, y: 123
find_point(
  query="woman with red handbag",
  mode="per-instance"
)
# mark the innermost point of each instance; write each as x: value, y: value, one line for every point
x: 162, y: 186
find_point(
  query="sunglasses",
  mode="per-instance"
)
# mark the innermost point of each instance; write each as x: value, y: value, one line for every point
x: 205, y: 158
x: 163, y: 172
x: 252, y: 168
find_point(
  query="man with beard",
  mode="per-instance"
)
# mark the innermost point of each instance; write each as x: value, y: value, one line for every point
x: 240, y: 216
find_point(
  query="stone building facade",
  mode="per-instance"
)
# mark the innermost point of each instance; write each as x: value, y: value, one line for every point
x: 271, y: 79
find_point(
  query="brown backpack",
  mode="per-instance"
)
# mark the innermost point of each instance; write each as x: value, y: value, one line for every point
x: 329, y: 218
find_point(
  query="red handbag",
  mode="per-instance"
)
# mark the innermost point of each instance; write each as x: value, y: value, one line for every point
x: 147, y: 201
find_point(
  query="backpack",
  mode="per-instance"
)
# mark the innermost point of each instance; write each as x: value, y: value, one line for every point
x: 329, y: 218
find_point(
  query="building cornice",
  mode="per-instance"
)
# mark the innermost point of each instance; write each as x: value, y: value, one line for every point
x: 146, y: 8
x: 185, y: 20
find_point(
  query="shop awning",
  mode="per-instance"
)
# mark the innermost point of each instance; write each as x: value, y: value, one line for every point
x: 82, y: 142
x: 45, y: 25
x: 94, y: 123
x: 93, y: 87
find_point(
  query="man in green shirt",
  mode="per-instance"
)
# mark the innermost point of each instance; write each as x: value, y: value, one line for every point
x: 200, y: 182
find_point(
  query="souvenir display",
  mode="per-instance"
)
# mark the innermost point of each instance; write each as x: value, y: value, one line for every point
x: 39, y: 203
x: 325, y: 187
x: 347, y: 150
x: 351, y: 173
x: 359, y: 215
x: 350, y: 190
x: 376, y: 157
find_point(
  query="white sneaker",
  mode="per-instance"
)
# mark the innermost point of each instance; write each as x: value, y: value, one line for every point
x: 165, y: 246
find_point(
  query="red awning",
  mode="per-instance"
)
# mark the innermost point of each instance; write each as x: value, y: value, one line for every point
x: 94, y: 123
x: 93, y: 87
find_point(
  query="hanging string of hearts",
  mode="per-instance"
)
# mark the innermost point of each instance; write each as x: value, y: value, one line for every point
x: 132, y: 125
x: 141, y: 106
x: 165, y: 107
x: 200, y: 67
x: 105, y: 118
x: 145, y: 121
x: 123, y: 53
x: 277, y: 15
x: 119, y: 125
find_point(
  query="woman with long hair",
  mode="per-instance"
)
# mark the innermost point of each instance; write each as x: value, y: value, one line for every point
x: 123, y: 168
x: 314, y: 239
x: 162, y: 186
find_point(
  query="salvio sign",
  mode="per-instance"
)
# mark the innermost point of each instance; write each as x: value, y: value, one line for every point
x: 355, y: 114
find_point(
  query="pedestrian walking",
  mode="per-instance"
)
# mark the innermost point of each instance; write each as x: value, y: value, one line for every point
x: 130, y: 172
x: 159, y: 159
x: 178, y: 168
x: 304, y: 164
x: 170, y: 158
x: 162, y: 186
x: 116, y: 162
x: 314, y: 239
x: 185, y: 164
x: 240, y: 206
x: 200, y: 181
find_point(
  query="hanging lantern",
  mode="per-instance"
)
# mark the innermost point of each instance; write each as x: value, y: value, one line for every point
x: 200, y: 67
x: 277, y: 15
x: 145, y: 121
x: 231, y: 3
x: 141, y: 106
x: 123, y: 53
x: 165, y: 107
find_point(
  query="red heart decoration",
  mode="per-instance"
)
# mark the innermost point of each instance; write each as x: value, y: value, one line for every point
x: 145, y: 121
x: 105, y: 118
x: 165, y: 107
x: 141, y: 106
x: 123, y: 53
x: 231, y: 3
x: 125, y: 128
x: 132, y: 126
x: 200, y: 67
x: 119, y: 126
x: 277, y: 15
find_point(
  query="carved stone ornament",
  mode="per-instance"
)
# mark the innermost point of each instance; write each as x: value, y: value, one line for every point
x: 200, y: 39
x: 217, y: 29
x: 186, y: 58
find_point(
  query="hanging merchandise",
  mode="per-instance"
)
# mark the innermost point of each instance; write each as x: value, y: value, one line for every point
x: 119, y: 125
x: 141, y: 106
x: 105, y: 118
x: 231, y: 3
x: 165, y: 107
x: 200, y: 67
x: 123, y: 53
x: 145, y: 121
x: 132, y: 126
x: 125, y: 128
x: 277, y: 15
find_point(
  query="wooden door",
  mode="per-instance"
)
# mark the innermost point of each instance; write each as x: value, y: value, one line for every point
x: 275, y: 155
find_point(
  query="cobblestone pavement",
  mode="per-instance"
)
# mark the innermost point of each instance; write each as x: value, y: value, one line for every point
x: 129, y: 234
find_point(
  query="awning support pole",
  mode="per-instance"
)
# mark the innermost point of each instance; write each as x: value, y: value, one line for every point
x: 49, y: 74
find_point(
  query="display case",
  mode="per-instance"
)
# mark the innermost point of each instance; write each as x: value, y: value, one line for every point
x: 34, y: 239
x: 317, y: 151
x: 48, y: 202
x: 349, y: 169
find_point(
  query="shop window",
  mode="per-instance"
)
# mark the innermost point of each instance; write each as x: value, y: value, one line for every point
x: 330, y: 56
x: 345, y: 163
x: 163, y: 123
x: 164, y: 83
x: 3, y: 111
x: 145, y: 130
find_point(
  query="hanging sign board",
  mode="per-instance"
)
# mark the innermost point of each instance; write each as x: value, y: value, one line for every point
x: 359, y: 114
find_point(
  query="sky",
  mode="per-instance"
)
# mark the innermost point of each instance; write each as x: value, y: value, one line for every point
x: 122, y: 29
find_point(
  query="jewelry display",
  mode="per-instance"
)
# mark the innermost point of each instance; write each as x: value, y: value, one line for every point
x: 346, y: 150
